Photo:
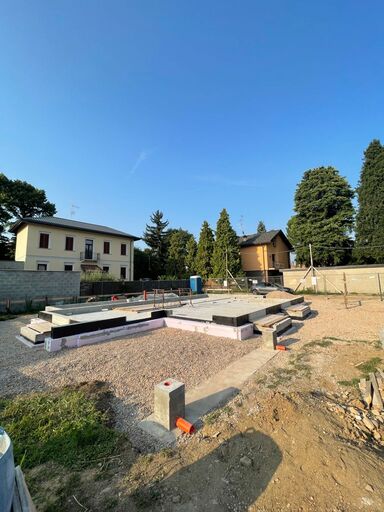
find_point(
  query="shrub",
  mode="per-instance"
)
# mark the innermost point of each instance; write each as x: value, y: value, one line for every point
x: 92, y: 277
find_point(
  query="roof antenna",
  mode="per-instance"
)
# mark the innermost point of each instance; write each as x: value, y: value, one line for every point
x: 73, y: 211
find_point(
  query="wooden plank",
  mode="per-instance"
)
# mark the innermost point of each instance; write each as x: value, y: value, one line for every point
x: 380, y: 381
x: 365, y: 388
x: 269, y: 320
x: 377, y: 401
x: 16, y: 505
x: 22, y: 489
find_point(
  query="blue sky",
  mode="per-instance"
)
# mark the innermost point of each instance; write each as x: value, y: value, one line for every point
x: 125, y: 107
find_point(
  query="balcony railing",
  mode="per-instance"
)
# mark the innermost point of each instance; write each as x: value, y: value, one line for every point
x: 86, y: 256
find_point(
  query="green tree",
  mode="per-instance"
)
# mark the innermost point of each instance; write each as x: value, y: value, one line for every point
x: 177, y: 252
x: 324, y: 217
x: 370, y: 215
x: 190, y: 257
x: 19, y: 199
x: 261, y: 227
x: 143, y: 265
x: 156, y: 237
x: 205, y: 245
x: 226, y: 248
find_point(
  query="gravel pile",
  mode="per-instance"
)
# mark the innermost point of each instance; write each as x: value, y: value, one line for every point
x: 131, y: 366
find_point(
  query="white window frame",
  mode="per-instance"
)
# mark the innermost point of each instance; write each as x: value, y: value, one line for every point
x: 68, y: 264
x: 46, y: 263
x: 108, y: 267
x: 123, y: 266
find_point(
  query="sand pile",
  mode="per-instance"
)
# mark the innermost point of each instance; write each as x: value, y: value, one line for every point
x: 280, y: 295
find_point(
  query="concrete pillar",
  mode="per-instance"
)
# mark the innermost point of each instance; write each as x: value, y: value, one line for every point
x: 169, y: 402
x: 270, y: 338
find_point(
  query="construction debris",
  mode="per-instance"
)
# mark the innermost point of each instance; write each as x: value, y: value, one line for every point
x: 372, y: 390
x: 361, y: 424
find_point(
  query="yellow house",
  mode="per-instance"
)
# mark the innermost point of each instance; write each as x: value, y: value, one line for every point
x: 52, y: 243
x: 264, y: 254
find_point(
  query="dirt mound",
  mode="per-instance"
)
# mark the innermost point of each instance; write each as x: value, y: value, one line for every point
x: 279, y: 295
x: 288, y: 451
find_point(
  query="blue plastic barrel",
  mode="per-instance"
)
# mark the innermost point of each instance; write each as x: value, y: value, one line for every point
x: 196, y: 284
x: 7, y: 472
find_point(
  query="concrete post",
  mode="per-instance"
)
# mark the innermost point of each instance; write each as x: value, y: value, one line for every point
x: 169, y: 402
x: 270, y: 338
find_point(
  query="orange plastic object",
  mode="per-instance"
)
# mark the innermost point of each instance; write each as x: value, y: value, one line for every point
x: 281, y: 347
x: 185, y: 426
x: 145, y: 294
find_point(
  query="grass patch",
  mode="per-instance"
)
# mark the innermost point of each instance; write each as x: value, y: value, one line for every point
x: 211, y: 418
x: 334, y: 338
x: 281, y: 376
x: 66, y: 427
x: 325, y: 342
x: 350, y: 383
x: 369, y: 366
x: 365, y: 369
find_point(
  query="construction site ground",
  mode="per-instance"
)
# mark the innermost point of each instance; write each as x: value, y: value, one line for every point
x: 285, y: 442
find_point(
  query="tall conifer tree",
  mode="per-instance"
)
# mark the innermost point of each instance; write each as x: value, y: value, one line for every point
x: 156, y: 237
x: 324, y: 217
x: 204, y: 253
x: 370, y: 215
x: 226, y: 249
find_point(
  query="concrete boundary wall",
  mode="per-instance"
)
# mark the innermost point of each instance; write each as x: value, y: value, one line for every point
x: 357, y: 279
x: 19, y: 289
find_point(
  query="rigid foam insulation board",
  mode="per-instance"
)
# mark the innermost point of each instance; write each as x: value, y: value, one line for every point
x: 89, y: 338
x: 82, y: 327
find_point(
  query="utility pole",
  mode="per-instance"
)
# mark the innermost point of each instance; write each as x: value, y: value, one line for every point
x: 310, y: 255
x: 312, y: 267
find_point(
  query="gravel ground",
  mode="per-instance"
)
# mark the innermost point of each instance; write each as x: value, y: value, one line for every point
x: 132, y: 366
x: 331, y: 318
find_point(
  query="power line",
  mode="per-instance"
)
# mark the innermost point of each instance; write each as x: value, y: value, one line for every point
x: 338, y: 248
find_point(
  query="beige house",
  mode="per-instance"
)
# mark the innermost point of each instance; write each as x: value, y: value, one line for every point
x: 265, y: 254
x: 52, y: 243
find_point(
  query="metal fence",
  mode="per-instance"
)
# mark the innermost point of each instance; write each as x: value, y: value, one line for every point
x: 98, y: 288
